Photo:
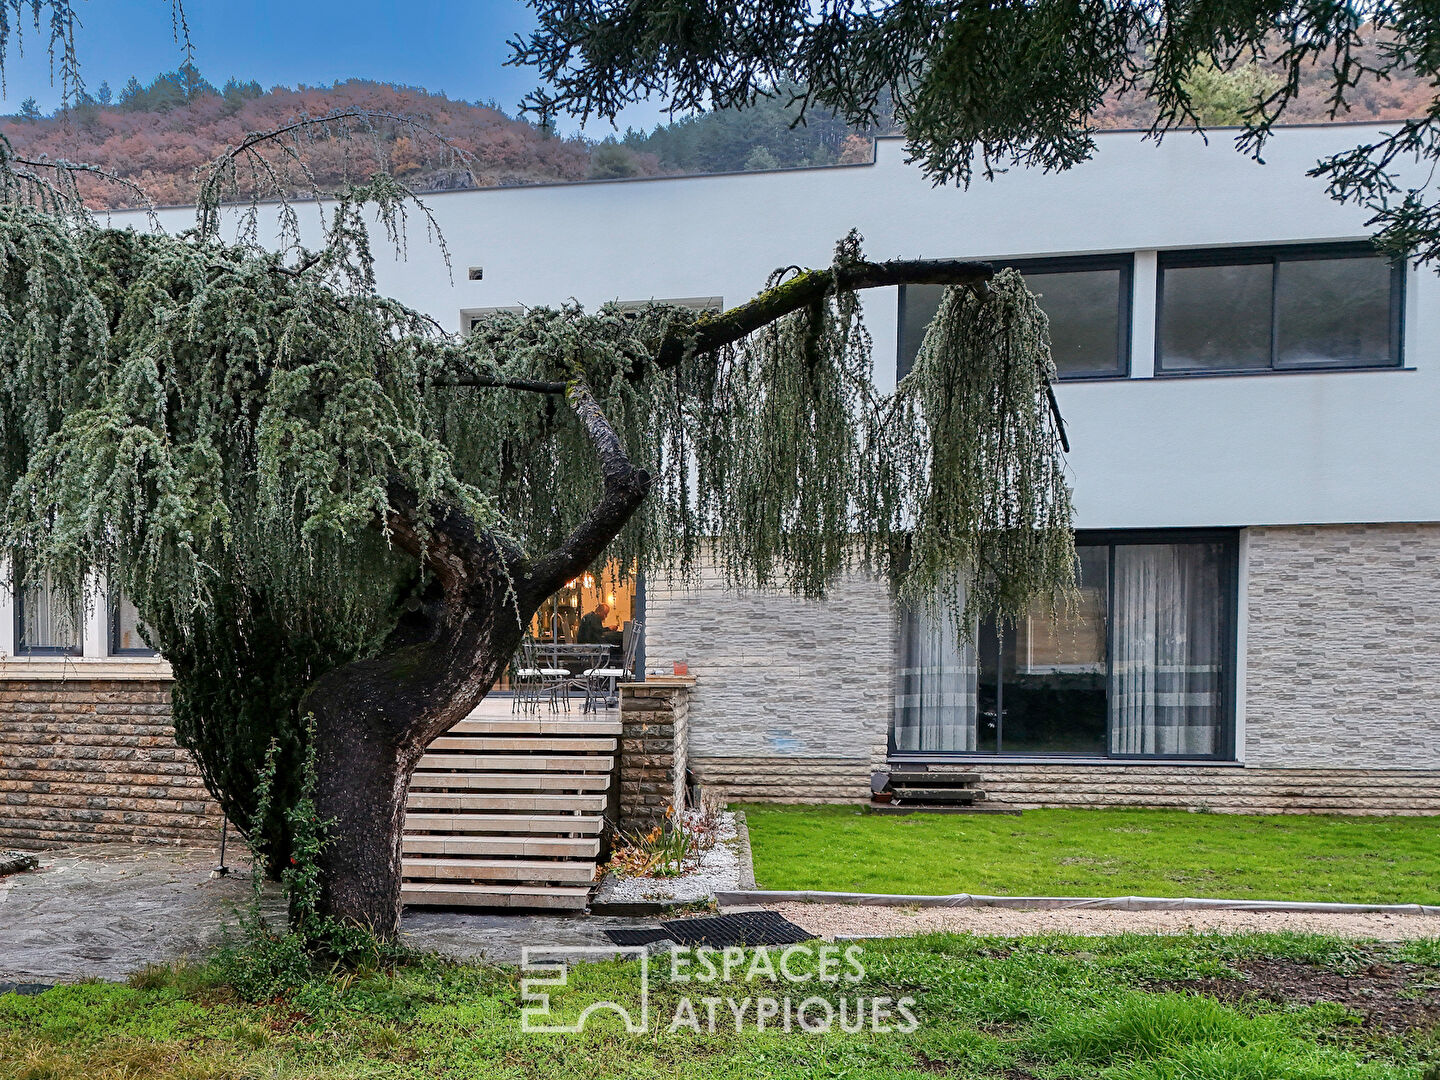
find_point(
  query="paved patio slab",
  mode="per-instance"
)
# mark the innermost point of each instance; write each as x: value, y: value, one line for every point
x: 106, y: 910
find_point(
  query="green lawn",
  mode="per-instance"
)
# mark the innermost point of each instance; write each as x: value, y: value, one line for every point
x: 1123, y: 1008
x: 1098, y: 853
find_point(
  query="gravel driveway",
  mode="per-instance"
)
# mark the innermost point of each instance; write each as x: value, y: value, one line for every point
x: 832, y: 920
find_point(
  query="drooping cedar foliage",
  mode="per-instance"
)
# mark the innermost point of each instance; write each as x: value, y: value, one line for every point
x: 219, y: 430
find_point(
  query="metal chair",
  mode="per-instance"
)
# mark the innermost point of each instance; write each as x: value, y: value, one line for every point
x: 554, y: 680
x: 525, y: 678
x: 610, y: 675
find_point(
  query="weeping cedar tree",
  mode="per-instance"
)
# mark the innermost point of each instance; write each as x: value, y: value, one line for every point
x: 982, y: 86
x: 335, y: 519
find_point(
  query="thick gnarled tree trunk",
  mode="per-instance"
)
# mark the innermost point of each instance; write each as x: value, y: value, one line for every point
x: 374, y: 718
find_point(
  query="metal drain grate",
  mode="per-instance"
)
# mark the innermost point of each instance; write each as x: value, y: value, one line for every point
x: 637, y: 935
x: 741, y: 928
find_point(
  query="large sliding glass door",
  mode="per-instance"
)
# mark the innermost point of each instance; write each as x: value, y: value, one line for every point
x: 1140, y: 668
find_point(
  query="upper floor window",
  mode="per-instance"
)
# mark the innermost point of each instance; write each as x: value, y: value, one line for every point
x: 1087, y: 299
x: 1288, y: 308
x: 45, y: 623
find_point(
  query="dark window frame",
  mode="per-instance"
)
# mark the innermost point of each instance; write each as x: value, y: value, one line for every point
x: 23, y: 649
x: 1228, y: 752
x: 1123, y: 261
x: 1275, y: 255
x: 113, y: 632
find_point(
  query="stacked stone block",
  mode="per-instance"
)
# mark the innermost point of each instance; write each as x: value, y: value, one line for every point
x: 85, y: 760
x: 654, y: 746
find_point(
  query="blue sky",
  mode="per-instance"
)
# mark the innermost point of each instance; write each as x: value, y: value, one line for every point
x: 455, y: 46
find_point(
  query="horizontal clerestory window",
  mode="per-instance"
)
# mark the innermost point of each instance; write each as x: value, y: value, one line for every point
x: 1086, y: 298
x: 1278, y: 309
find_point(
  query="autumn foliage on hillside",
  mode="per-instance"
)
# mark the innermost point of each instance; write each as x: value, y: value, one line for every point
x: 161, y: 150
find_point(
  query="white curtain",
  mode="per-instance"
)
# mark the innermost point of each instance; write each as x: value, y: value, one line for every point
x: 1167, y: 638
x: 46, y: 623
x: 934, y: 684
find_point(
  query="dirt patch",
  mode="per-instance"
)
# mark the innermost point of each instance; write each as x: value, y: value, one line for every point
x: 925, y: 1063
x: 1391, y: 999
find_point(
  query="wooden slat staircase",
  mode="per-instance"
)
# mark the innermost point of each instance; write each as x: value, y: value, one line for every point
x: 506, y: 811
x: 918, y: 787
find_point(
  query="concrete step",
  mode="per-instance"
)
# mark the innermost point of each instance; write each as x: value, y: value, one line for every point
x: 530, y: 725
x: 504, y: 824
x: 536, y: 847
x: 519, y: 802
x: 526, y: 744
x: 537, y: 781
x: 461, y: 894
x: 529, y: 763
x: 492, y: 870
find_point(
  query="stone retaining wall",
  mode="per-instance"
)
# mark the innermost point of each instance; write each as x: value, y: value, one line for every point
x: 654, y: 745
x: 1224, y: 789
x: 96, y: 760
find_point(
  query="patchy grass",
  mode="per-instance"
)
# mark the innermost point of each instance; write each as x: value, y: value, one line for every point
x: 1099, y: 853
x: 1123, y: 1008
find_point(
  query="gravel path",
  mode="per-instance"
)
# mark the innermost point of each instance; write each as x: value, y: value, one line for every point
x: 831, y: 920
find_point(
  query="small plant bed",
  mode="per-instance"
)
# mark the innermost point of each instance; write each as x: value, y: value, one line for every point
x: 1374, y: 860
x: 1192, y: 1007
x: 682, y: 861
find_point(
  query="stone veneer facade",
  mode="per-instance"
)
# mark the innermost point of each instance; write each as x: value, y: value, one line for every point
x: 792, y: 697
x: 94, y: 759
x: 1343, y: 647
x: 1341, y: 709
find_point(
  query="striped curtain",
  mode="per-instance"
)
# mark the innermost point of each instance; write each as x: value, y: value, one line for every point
x: 1166, y: 692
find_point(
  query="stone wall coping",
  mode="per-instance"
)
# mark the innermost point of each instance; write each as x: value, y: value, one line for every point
x: 751, y: 897
x: 84, y: 668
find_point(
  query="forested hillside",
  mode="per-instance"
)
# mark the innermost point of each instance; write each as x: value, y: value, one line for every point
x: 158, y: 134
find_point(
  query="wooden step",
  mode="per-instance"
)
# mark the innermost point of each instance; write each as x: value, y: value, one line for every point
x: 939, y: 795
x: 924, y: 778
x: 520, y: 802
x: 526, y: 744
x: 529, y: 725
x: 500, y: 782
x: 536, y: 847
x: 461, y: 894
x: 505, y: 824
x: 498, y: 870
x: 529, y: 763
